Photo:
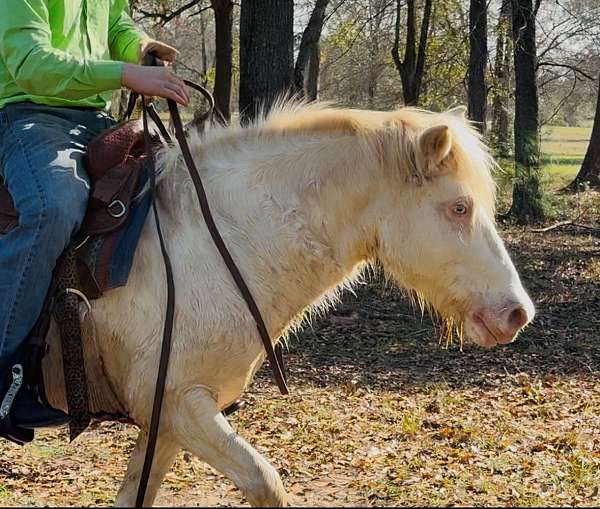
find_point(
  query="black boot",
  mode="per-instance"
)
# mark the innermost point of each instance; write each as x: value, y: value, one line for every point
x: 19, y: 436
x: 21, y: 412
x: 238, y: 404
x: 27, y: 412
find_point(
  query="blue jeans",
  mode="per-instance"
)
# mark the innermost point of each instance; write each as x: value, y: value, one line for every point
x: 41, y: 162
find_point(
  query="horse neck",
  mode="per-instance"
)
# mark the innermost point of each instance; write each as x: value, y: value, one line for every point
x: 316, y: 194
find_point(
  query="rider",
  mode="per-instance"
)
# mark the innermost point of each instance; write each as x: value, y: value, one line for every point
x: 59, y: 62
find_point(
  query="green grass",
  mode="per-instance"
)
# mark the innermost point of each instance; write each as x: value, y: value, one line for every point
x: 562, y: 153
x: 563, y: 150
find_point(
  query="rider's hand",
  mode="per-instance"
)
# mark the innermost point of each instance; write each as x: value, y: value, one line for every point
x: 160, y: 49
x: 155, y: 81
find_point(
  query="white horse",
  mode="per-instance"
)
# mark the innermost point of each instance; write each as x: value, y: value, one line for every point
x: 304, y: 199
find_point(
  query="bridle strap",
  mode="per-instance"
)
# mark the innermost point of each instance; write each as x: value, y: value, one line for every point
x: 273, y: 354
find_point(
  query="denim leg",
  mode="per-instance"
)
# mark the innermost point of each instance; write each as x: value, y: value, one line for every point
x: 41, y: 162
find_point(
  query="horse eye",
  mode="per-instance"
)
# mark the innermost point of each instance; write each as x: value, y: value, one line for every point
x: 460, y: 209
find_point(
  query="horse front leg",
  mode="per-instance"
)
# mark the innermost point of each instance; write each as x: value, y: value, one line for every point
x: 203, y: 430
x: 164, y: 456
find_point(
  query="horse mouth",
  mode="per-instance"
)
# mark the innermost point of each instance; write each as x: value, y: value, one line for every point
x: 485, y: 334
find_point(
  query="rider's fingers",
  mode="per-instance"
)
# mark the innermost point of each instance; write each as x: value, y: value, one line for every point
x: 185, y: 92
x: 179, y: 82
x: 173, y: 78
x: 175, y: 93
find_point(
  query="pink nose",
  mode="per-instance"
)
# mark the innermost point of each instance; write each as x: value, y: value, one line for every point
x: 515, y: 318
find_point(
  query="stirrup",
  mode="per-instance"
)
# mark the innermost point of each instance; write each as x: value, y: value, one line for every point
x: 8, y: 430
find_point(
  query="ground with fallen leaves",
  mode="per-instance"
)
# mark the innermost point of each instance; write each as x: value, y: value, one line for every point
x: 381, y: 413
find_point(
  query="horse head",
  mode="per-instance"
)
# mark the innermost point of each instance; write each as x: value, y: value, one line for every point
x: 436, y: 233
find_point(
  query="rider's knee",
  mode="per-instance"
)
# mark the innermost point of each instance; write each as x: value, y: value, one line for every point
x: 65, y: 218
x: 56, y: 218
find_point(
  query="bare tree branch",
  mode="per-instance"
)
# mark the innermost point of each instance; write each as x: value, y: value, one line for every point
x: 566, y: 66
x: 167, y: 17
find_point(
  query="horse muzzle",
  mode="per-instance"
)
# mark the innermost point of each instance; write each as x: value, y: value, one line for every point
x: 499, y: 325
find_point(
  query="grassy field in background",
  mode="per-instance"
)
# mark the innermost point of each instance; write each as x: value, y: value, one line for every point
x: 563, y: 150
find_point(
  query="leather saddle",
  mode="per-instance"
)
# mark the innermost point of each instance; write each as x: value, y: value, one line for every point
x: 113, y: 162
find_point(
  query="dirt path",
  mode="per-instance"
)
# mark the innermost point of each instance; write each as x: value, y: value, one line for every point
x: 381, y: 414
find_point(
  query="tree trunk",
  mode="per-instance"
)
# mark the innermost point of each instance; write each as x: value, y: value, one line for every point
x: 223, y: 10
x: 203, y: 55
x: 589, y: 174
x: 501, y: 89
x: 312, y: 79
x: 306, y: 63
x: 266, y: 54
x: 527, y: 192
x: 477, y: 62
x: 412, y: 67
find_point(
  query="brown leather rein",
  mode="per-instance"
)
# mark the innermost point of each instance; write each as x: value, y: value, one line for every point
x: 274, y: 354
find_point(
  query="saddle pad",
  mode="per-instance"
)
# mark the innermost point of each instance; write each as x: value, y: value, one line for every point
x: 109, y: 257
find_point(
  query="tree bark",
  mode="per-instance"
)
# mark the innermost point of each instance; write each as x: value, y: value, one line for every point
x: 412, y: 67
x: 223, y: 10
x: 477, y: 90
x: 501, y: 88
x: 589, y: 174
x: 266, y: 54
x: 203, y: 55
x: 312, y: 79
x: 527, y: 203
x: 307, y: 62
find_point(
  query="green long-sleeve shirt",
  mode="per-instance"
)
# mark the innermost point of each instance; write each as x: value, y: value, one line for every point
x: 65, y: 52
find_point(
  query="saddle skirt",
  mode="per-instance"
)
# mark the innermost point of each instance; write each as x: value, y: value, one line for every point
x: 105, y: 260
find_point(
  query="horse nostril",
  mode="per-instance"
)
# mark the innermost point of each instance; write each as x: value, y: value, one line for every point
x: 517, y: 318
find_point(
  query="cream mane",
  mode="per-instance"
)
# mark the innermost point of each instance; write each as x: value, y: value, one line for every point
x: 387, y: 137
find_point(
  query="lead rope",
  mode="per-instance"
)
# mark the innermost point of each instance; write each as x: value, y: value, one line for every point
x: 274, y: 354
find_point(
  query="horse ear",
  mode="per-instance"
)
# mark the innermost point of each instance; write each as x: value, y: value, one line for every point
x: 434, y: 145
x: 459, y: 112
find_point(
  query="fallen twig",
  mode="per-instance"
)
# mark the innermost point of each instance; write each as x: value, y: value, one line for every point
x: 566, y: 223
x: 548, y: 228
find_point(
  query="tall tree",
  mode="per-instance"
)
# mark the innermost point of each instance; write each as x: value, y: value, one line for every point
x: 478, y: 54
x: 223, y: 10
x: 412, y: 67
x: 307, y: 62
x: 527, y: 203
x: 501, y: 87
x: 266, y: 54
x: 590, y: 169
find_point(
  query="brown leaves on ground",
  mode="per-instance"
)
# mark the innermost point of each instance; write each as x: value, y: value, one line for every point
x: 381, y: 414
